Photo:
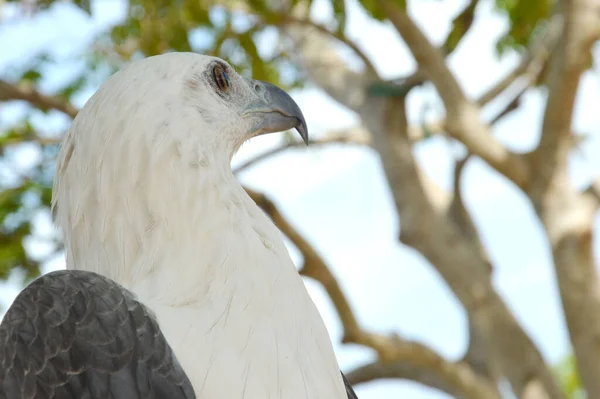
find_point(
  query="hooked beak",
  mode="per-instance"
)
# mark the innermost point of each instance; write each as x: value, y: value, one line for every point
x: 274, y: 111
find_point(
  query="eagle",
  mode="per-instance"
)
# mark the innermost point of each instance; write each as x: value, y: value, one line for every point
x: 177, y: 284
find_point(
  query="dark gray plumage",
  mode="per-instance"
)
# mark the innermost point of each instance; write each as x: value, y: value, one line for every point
x: 76, y: 334
x: 349, y: 390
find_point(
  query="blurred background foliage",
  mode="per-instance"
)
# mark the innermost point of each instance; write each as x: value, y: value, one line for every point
x: 568, y: 377
x: 229, y: 29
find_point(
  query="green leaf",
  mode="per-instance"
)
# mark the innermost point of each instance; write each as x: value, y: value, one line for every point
x: 523, y: 19
x: 339, y: 14
x: 460, y: 25
x: 31, y: 75
x: 84, y: 5
x: 46, y: 195
x: 10, y: 202
x: 387, y: 89
x: 258, y: 68
x: 195, y: 14
x: 373, y: 9
x: 568, y: 378
x: 73, y: 87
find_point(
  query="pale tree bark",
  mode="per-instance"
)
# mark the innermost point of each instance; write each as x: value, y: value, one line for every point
x: 462, y: 120
x: 567, y: 214
x: 444, y: 236
x: 11, y: 92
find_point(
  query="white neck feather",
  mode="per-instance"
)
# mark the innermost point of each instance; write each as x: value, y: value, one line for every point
x: 162, y: 224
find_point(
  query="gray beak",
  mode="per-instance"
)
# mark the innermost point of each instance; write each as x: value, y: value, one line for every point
x: 274, y: 111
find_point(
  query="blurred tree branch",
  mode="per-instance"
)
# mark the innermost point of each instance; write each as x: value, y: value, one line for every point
x: 460, y: 260
x: 476, y: 355
x: 462, y: 120
x: 399, y: 370
x: 423, y: 226
x: 11, y: 92
x: 568, y: 216
x: 532, y: 63
x: 287, y: 19
x: 329, y: 70
x: 461, y: 24
x: 356, y: 136
x: 530, y: 68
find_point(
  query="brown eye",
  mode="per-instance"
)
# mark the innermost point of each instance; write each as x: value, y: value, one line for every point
x: 221, y: 78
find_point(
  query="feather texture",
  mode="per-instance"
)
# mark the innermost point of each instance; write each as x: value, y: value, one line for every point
x: 77, y: 335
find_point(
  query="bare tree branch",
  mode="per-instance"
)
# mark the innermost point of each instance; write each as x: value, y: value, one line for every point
x: 428, y: 368
x: 461, y: 24
x: 356, y: 135
x: 463, y: 120
x: 457, y: 212
x: 289, y: 19
x: 423, y: 225
x: 503, y: 84
x: 477, y: 356
x: 390, y: 349
x: 458, y: 259
x: 397, y: 86
x: 403, y: 370
x: 571, y: 58
x: 326, y: 66
x: 429, y: 58
x: 567, y: 215
x: 10, y: 92
x: 398, y: 370
x: 510, y: 107
x: 532, y: 63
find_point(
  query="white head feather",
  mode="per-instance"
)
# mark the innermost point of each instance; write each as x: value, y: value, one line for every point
x: 144, y: 194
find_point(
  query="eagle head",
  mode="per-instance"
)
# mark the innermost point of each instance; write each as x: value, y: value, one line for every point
x: 148, y: 156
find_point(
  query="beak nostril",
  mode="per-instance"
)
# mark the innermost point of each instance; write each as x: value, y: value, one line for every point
x: 273, y: 110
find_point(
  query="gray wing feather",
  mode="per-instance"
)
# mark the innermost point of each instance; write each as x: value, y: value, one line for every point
x: 349, y: 389
x: 76, y: 334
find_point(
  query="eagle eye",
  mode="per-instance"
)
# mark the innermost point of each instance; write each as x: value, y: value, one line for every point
x: 220, y: 77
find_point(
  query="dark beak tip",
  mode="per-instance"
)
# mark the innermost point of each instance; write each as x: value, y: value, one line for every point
x: 282, y: 102
x: 303, y: 131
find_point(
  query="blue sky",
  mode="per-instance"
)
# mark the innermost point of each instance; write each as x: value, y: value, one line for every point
x: 339, y: 199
